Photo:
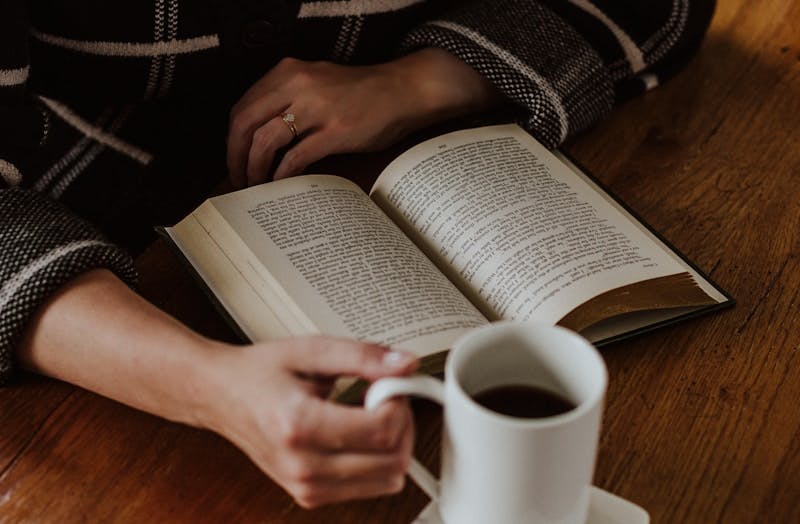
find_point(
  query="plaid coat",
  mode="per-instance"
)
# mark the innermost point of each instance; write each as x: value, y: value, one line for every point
x: 105, y: 107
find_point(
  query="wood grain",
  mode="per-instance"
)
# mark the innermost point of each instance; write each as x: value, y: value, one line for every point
x: 702, y: 420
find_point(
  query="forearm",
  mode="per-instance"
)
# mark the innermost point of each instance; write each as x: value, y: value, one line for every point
x: 96, y: 333
x: 442, y: 85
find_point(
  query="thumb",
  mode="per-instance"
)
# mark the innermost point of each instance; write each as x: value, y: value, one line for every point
x: 328, y: 356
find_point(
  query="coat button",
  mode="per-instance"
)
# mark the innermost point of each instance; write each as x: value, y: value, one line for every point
x: 257, y: 34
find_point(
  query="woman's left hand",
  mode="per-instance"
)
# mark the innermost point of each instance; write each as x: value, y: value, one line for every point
x: 345, y: 109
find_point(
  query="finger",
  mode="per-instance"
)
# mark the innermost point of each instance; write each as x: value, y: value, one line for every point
x: 327, y: 426
x: 323, y: 479
x: 330, y: 492
x: 267, y: 139
x: 246, y: 118
x: 341, y: 467
x: 321, y: 386
x: 329, y: 356
x: 305, y: 152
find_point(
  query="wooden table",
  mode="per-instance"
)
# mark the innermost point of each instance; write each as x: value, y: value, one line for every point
x: 702, y: 419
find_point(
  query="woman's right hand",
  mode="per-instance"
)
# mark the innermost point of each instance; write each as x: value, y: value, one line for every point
x: 270, y: 399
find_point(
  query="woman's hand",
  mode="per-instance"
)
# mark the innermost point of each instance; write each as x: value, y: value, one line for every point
x: 344, y: 109
x: 267, y: 398
x: 270, y: 400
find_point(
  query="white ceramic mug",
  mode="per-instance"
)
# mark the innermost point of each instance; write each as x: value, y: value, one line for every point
x: 505, y: 470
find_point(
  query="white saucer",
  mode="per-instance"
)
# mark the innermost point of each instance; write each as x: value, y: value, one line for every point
x: 604, y: 508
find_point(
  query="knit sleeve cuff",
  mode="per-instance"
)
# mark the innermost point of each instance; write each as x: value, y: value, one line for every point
x: 556, y: 80
x: 42, y: 247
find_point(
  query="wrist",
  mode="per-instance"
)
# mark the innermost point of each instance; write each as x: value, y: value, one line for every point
x: 441, y: 86
x: 204, y: 389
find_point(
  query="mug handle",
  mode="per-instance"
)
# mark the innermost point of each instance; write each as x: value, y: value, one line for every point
x: 421, y: 386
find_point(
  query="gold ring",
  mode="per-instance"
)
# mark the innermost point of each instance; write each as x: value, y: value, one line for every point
x: 288, y: 119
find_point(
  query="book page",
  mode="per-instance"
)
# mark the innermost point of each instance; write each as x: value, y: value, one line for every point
x: 707, y: 287
x: 338, y: 260
x: 520, y: 233
x: 199, y: 239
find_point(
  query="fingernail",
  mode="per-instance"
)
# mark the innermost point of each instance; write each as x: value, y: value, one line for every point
x: 397, y: 359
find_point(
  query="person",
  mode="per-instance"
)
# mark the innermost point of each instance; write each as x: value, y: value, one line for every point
x: 119, y: 115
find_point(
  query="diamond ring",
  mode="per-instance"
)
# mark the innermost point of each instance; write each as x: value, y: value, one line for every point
x: 288, y: 119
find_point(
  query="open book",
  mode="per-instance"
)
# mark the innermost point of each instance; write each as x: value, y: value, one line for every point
x: 466, y: 228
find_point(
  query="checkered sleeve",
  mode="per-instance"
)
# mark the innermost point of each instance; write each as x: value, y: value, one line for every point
x: 564, y: 64
x: 42, y: 245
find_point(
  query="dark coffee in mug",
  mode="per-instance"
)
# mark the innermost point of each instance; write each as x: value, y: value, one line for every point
x: 523, y: 401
